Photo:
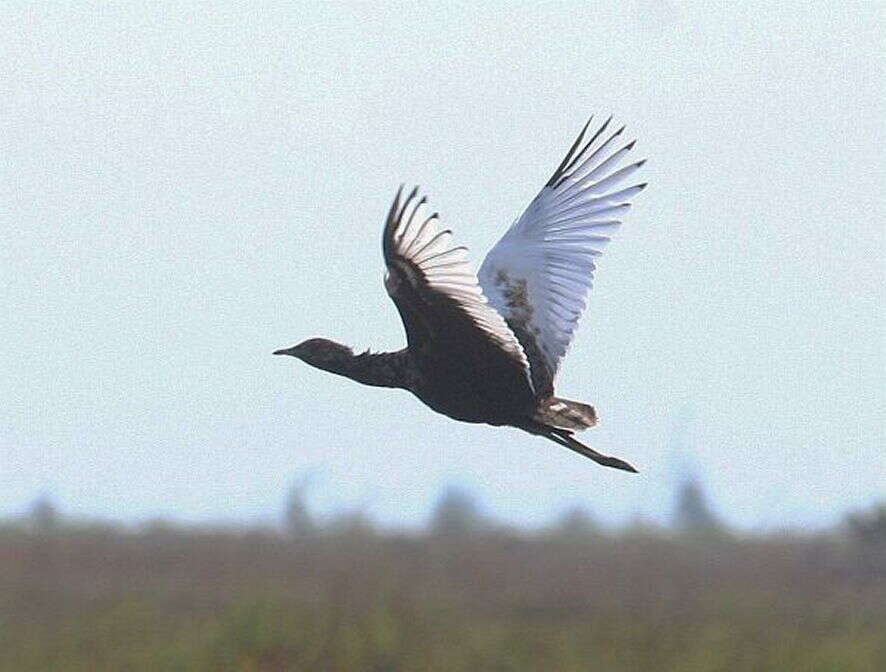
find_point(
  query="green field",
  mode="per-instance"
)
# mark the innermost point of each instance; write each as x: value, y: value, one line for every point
x: 256, y: 600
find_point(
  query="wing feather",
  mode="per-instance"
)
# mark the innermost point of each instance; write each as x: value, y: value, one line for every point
x: 427, y: 276
x: 540, y: 272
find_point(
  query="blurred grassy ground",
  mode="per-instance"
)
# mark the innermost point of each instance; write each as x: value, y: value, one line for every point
x: 176, y: 600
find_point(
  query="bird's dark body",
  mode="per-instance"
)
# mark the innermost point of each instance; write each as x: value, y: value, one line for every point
x: 458, y: 370
x: 472, y: 380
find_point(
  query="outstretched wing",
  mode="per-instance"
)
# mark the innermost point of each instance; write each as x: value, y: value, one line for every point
x: 539, y: 274
x: 432, y: 285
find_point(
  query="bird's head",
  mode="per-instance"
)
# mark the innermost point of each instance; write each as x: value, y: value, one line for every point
x: 319, y: 352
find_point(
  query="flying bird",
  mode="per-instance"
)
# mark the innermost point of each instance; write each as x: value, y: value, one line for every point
x: 486, y: 348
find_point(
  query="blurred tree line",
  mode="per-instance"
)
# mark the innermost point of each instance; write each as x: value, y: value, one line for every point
x: 458, y: 513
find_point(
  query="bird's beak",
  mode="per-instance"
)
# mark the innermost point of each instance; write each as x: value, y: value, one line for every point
x: 284, y: 351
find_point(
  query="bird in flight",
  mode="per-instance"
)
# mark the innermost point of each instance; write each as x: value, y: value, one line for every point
x: 486, y: 348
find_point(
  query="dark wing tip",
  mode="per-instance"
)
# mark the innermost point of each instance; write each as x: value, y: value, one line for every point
x: 391, y: 224
x: 409, y: 199
x: 395, y: 205
x: 573, y: 157
x: 569, y: 155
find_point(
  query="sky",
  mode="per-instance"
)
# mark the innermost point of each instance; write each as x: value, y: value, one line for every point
x: 186, y: 187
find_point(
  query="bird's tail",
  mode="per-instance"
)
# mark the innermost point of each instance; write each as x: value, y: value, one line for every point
x: 565, y: 414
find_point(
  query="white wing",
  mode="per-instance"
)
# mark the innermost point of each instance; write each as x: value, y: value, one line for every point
x: 538, y: 275
x: 433, y: 285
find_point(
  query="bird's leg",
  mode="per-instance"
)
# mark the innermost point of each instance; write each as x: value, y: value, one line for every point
x: 599, y: 458
x: 564, y: 438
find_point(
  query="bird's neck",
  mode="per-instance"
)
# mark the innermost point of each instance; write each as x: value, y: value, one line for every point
x: 382, y: 369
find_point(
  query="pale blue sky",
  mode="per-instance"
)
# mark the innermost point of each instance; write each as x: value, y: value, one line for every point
x: 184, y: 189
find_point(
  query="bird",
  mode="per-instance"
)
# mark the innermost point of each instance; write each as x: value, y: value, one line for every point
x: 486, y: 347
